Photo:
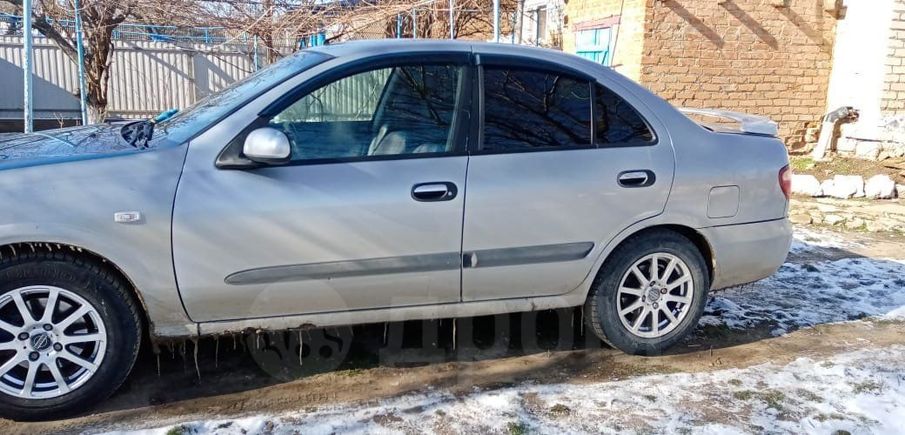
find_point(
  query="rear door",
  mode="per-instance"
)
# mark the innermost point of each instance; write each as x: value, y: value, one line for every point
x: 564, y: 164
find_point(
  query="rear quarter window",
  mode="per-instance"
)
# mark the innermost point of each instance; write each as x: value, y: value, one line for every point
x: 617, y: 123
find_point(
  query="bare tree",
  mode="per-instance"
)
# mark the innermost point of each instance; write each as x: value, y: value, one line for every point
x: 52, y: 18
x: 473, y: 19
x: 276, y: 25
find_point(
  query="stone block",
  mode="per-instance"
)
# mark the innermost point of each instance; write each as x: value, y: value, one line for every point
x: 894, y: 149
x: 800, y: 218
x: 844, y: 187
x: 868, y: 150
x: 833, y: 219
x: 806, y: 185
x: 846, y: 145
x: 880, y: 224
x: 854, y: 223
x: 880, y: 187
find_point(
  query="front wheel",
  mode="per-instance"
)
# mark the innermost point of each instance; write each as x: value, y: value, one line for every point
x: 69, y: 335
x: 650, y: 293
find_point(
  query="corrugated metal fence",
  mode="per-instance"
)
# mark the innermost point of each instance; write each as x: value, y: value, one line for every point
x: 146, y: 77
x: 352, y: 98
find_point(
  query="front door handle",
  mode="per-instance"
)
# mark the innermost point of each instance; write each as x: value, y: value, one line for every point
x: 636, y: 178
x: 434, y: 191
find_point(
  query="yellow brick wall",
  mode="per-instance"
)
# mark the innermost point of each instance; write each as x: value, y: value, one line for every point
x: 752, y: 56
x: 745, y: 55
x: 893, y: 102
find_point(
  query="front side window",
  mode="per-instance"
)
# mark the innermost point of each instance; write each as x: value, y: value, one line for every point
x: 617, y: 123
x: 353, y: 98
x: 527, y: 110
x: 388, y: 111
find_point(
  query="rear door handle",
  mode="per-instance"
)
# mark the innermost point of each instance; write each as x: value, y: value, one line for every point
x: 434, y: 191
x: 636, y: 178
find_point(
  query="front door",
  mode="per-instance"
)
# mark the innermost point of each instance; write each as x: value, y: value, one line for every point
x: 368, y: 213
x: 565, y: 164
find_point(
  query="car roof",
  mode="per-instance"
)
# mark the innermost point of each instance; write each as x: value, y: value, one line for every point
x: 391, y: 46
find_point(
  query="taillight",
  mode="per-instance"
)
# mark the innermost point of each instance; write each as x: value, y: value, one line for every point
x: 785, y: 181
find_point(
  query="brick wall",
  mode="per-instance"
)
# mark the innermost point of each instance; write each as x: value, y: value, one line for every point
x: 627, y: 20
x: 744, y: 55
x: 754, y: 56
x: 893, y: 100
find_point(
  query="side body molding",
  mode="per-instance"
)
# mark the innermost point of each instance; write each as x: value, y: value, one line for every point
x: 412, y: 263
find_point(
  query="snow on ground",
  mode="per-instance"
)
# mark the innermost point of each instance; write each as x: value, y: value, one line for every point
x: 858, y: 392
x: 806, y: 239
x: 896, y: 314
x: 802, y: 295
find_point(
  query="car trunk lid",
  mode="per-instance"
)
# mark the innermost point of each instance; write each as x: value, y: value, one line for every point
x: 725, y: 121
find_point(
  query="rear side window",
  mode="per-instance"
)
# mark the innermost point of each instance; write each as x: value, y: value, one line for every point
x: 528, y: 110
x: 617, y: 123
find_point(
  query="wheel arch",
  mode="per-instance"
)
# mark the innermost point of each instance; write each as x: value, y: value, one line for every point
x: 12, y: 249
x: 695, y: 237
x: 699, y: 241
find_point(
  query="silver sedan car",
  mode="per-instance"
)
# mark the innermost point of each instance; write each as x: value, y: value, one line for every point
x: 372, y: 182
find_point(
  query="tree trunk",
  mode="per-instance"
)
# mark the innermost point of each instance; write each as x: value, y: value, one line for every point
x: 96, y: 114
x: 267, y: 34
x: 96, y: 82
x: 97, y: 65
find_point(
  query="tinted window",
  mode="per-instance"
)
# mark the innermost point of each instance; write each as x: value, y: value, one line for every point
x: 388, y: 111
x: 530, y: 109
x: 617, y: 122
x: 353, y: 98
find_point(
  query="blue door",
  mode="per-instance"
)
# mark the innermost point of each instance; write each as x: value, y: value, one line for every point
x: 594, y: 44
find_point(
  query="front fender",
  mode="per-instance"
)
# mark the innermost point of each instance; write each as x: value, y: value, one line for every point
x: 74, y: 203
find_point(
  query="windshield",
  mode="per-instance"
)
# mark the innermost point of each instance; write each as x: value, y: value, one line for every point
x: 193, y: 119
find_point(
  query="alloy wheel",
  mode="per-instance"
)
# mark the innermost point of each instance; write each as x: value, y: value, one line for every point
x: 655, y: 295
x: 52, y: 341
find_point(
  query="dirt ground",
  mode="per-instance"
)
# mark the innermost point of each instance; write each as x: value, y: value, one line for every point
x: 235, y: 380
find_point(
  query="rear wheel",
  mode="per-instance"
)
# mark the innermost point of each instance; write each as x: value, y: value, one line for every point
x: 69, y: 335
x: 650, y: 293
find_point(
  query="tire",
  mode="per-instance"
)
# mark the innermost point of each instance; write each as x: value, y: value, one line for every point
x: 618, y: 287
x: 107, y: 336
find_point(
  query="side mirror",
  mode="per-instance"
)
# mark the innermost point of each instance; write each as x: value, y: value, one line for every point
x: 267, y: 145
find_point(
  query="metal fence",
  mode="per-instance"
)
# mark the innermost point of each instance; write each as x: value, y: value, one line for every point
x: 146, y: 77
